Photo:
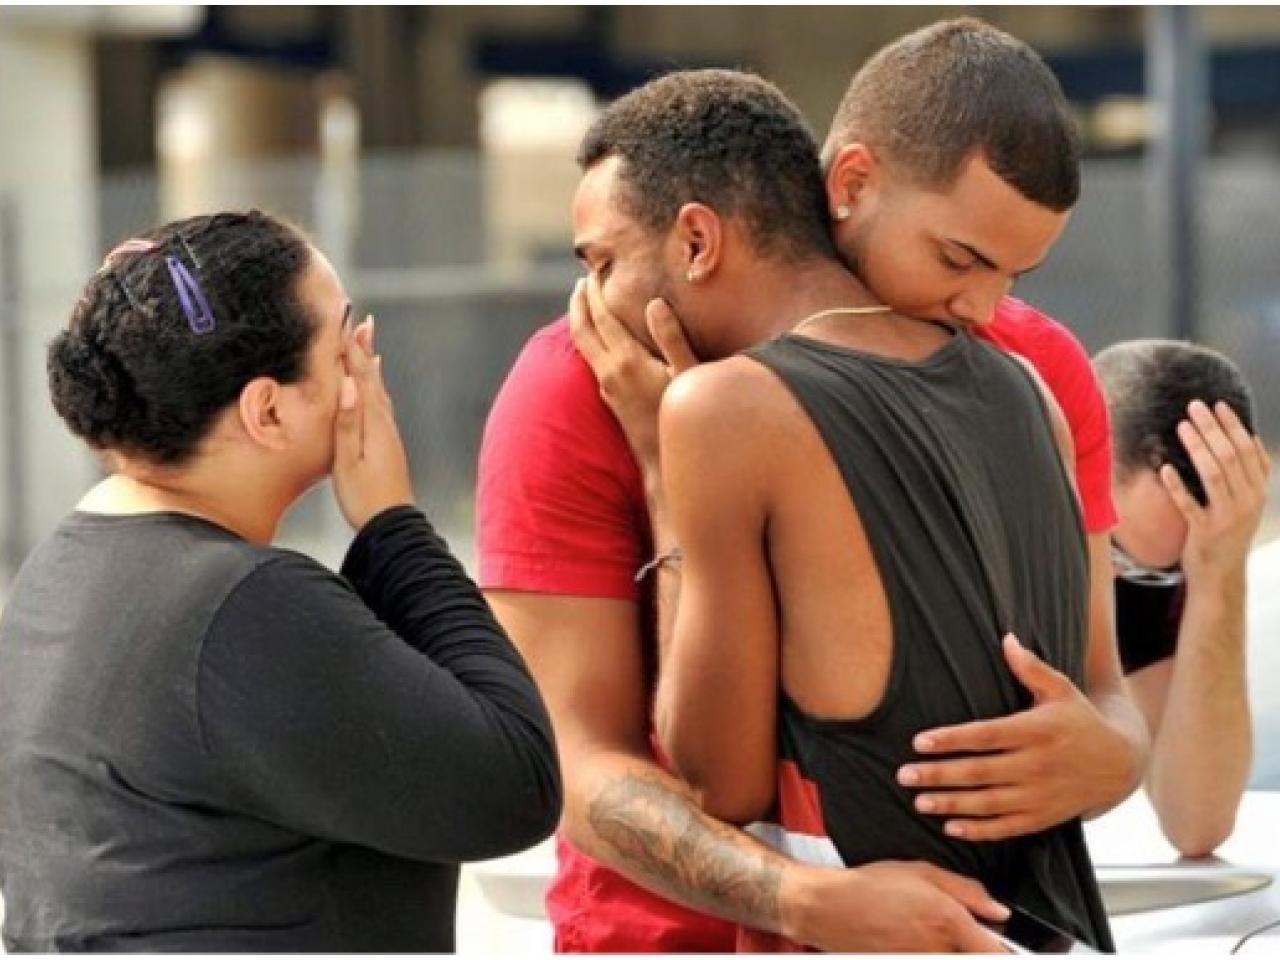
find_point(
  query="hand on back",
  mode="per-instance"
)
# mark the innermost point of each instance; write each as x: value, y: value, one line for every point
x: 1022, y: 773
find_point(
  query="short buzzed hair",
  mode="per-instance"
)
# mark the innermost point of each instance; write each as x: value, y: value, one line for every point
x: 728, y: 139
x: 1148, y: 384
x: 932, y: 99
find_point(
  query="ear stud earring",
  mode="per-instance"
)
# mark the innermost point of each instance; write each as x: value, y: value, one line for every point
x: 842, y: 212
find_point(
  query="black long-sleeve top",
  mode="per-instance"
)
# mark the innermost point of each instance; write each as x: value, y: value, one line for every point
x: 209, y: 745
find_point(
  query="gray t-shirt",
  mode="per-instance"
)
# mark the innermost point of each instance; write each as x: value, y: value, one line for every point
x: 209, y: 745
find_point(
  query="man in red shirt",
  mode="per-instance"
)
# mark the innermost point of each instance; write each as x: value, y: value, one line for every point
x: 564, y: 525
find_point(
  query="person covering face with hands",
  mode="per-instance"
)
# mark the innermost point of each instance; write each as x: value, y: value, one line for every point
x: 211, y: 744
x: 1191, y: 482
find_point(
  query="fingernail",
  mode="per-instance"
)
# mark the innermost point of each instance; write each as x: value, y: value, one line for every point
x: 1001, y: 910
x: 954, y: 829
x: 924, y: 743
x: 908, y: 776
x: 347, y: 396
x: 925, y: 804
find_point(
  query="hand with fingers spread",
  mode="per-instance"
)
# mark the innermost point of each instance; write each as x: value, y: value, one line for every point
x: 632, y: 378
x: 1234, y: 468
x: 893, y: 907
x: 370, y: 469
x: 1024, y: 772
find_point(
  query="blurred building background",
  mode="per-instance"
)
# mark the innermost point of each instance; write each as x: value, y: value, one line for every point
x: 429, y: 151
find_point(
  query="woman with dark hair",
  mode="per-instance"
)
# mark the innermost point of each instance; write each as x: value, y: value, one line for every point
x: 207, y: 743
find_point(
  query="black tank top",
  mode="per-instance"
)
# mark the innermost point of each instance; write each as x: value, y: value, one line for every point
x: 975, y: 531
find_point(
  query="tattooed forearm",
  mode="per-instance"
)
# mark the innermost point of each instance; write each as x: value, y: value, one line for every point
x: 673, y: 848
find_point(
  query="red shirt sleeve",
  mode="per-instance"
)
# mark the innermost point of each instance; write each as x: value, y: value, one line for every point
x: 559, y: 500
x: 1064, y: 365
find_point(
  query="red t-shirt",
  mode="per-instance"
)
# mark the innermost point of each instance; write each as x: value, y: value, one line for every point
x: 560, y: 509
x: 1064, y: 366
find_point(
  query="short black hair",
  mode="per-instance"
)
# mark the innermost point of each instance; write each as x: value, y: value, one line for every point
x: 728, y: 139
x: 938, y: 96
x: 1148, y: 384
x: 131, y: 374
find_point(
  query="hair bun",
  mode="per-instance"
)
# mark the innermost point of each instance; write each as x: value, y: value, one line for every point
x: 89, y: 388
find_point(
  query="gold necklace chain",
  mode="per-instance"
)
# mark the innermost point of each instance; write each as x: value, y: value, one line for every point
x: 845, y: 311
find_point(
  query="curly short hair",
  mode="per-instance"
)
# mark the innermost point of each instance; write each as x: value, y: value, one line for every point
x: 130, y: 374
x: 1148, y: 384
x: 728, y: 139
x: 934, y: 98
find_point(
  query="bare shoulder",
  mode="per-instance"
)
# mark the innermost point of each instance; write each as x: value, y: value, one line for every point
x: 728, y: 427
x: 727, y: 395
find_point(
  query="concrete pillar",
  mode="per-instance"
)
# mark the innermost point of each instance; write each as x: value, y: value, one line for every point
x: 47, y: 186
x: 380, y: 52
x: 126, y: 78
x: 221, y: 123
x: 1178, y: 87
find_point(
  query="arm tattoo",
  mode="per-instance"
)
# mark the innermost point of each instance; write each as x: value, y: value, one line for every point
x: 674, y: 849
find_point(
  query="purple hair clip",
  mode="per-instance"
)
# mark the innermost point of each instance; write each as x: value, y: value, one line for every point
x: 192, y: 298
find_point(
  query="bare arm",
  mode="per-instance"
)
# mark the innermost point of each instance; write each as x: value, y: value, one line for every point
x: 623, y: 810
x: 1197, y: 705
x: 717, y: 702
x: 1121, y: 746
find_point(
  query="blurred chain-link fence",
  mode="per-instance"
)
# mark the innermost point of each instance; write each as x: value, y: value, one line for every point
x: 1102, y: 278
x: 412, y: 237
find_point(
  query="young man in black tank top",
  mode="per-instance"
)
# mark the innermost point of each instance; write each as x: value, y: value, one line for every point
x: 782, y: 585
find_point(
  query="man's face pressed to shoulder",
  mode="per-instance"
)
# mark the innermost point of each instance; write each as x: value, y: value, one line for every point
x: 625, y: 255
x: 945, y: 253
